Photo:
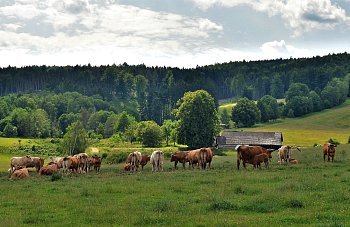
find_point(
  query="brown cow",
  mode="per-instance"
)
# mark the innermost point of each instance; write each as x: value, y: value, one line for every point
x: 329, y: 150
x: 126, y: 167
x: 71, y: 163
x: 144, y: 160
x: 58, y: 161
x: 83, y: 163
x: 293, y: 161
x: 95, y: 161
x: 20, y: 172
x: 19, y: 161
x: 36, y: 162
x: 50, y: 169
x: 210, y: 155
x: 179, y: 156
x: 246, y: 154
x: 193, y: 157
x: 258, y: 159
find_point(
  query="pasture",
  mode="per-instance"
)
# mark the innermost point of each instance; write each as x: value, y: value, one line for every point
x: 313, y: 128
x: 311, y: 193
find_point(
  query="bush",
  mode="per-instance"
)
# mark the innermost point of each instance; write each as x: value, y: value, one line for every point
x: 295, y: 203
x: 349, y: 139
x: 224, y: 205
x: 333, y: 141
x: 116, y: 158
x: 56, y: 177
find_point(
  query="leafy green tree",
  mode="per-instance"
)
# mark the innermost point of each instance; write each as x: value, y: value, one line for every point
x: 245, y: 113
x: 75, y: 140
x: 298, y: 106
x: 109, y: 128
x: 123, y: 121
x: 149, y: 134
x: 66, y: 119
x: 225, y: 117
x: 167, y: 127
x: 10, y: 131
x: 277, y: 87
x: 268, y: 107
x: 40, y: 124
x: 22, y: 120
x: 198, y: 121
x: 297, y: 89
x: 317, y: 104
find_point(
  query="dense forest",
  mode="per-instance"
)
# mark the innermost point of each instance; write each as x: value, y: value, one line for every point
x: 65, y: 94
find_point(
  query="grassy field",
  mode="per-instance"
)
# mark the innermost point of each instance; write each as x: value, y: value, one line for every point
x: 313, y: 128
x: 312, y: 193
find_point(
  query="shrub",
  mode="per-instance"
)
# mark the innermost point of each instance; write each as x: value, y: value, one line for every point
x: 349, y: 139
x: 224, y: 205
x: 56, y: 177
x: 295, y: 203
x: 333, y: 141
x: 116, y: 158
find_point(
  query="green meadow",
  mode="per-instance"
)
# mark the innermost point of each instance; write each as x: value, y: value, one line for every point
x: 315, y: 128
x: 312, y: 193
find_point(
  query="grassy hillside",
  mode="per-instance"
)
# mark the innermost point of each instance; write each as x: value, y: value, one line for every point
x: 312, y: 193
x: 313, y: 128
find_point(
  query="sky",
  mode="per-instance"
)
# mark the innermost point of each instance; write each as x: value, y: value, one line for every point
x: 176, y: 33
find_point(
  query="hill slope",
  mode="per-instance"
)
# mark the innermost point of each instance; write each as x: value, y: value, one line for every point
x: 313, y: 128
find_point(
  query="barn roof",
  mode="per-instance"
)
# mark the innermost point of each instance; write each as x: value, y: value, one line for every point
x: 229, y: 139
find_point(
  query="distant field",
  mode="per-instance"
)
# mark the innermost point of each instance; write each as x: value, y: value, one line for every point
x: 312, y: 193
x: 313, y: 128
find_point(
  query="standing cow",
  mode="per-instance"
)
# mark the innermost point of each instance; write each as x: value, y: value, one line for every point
x: 179, y: 156
x: 329, y: 150
x: 145, y: 158
x: 246, y: 154
x: 157, y: 161
x: 19, y: 161
x: 36, y: 162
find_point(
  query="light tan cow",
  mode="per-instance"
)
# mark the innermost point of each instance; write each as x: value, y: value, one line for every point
x: 19, y: 161
x: 36, y: 162
x: 134, y: 160
x: 20, y: 172
x: 285, y: 153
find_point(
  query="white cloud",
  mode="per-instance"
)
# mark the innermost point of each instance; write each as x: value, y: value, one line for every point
x: 300, y: 15
x: 279, y: 49
x: 77, y: 31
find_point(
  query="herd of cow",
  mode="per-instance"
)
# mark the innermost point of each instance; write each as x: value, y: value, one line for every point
x: 83, y: 163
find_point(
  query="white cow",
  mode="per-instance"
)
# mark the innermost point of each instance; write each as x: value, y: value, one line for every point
x: 157, y: 161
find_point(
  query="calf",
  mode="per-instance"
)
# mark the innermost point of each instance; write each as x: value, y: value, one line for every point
x: 258, y: 159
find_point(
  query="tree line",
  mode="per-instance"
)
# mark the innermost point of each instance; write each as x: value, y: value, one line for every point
x: 150, y: 93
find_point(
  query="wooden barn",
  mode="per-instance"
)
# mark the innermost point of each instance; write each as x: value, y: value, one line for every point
x: 229, y: 140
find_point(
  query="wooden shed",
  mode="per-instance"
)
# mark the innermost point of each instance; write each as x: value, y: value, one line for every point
x: 229, y: 140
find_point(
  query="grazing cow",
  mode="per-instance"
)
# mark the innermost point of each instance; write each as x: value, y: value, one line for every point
x: 157, y: 161
x: 329, y: 151
x: 36, y: 162
x: 144, y: 160
x: 210, y: 155
x: 285, y: 153
x: 20, y: 172
x: 134, y: 160
x: 71, y: 163
x: 50, y: 169
x: 258, y: 159
x: 179, y: 156
x: 246, y: 154
x: 126, y: 167
x: 19, y: 161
